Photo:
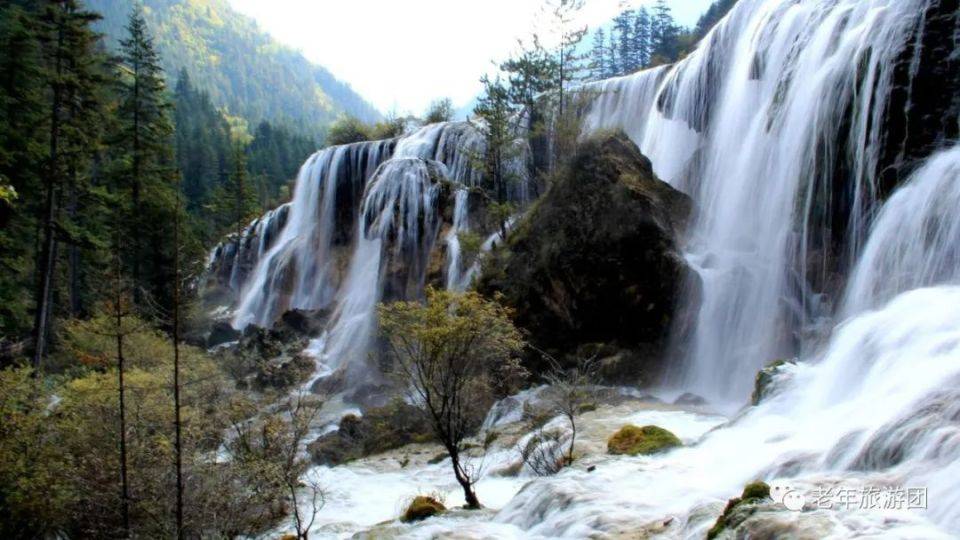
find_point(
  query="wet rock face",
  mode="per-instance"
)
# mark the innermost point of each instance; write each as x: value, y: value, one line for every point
x: 380, y: 429
x: 921, y: 114
x: 924, y: 106
x: 271, y: 358
x: 595, y: 261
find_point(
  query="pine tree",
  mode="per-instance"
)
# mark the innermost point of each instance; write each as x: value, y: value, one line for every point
x: 145, y: 138
x: 598, y: 56
x: 641, y: 36
x: 495, y: 109
x: 74, y: 81
x: 613, y: 61
x: 623, y: 26
x: 664, y: 33
x: 569, y: 62
x: 22, y: 157
x: 529, y: 74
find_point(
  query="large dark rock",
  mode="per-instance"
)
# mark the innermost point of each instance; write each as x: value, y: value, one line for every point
x: 222, y: 332
x: 594, y: 264
x: 273, y: 358
x: 378, y: 430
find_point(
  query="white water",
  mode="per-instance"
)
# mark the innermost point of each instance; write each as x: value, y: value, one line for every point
x: 455, y: 276
x: 296, y: 272
x: 749, y: 125
x: 915, y: 240
x: 743, y: 125
x: 878, y: 407
x: 399, y: 205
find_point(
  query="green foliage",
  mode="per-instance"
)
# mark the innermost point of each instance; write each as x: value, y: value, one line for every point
x: 59, y: 457
x: 440, y: 110
x: 457, y: 353
x: 243, y: 69
x: 390, y: 127
x: 633, y: 440
x: 470, y: 246
x: 644, y: 38
x: 33, y: 491
x: 346, y: 130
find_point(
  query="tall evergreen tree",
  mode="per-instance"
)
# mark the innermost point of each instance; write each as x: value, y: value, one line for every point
x: 145, y: 137
x: 22, y: 155
x: 529, y: 74
x: 641, y: 36
x: 496, y: 109
x: 569, y: 61
x: 202, y: 142
x: 664, y: 33
x: 73, y: 89
x: 623, y: 27
x: 598, y: 56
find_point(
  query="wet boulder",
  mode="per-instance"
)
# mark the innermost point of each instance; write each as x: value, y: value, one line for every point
x: 380, y: 429
x: 764, y: 384
x: 740, y: 508
x: 222, y: 332
x: 632, y: 440
x: 422, y: 507
x: 596, y: 261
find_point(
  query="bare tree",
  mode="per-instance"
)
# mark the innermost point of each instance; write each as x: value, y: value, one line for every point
x: 453, y: 352
x: 569, y: 392
x: 549, y: 450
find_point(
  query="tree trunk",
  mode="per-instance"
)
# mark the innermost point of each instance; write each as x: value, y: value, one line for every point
x: 178, y: 446
x: 118, y: 314
x: 469, y: 495
x: 73, y: 251
x: 47, y: 256
x: 124, y: 490
x: 135, y: 186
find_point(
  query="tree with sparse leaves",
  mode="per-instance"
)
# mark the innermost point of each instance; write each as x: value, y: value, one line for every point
x: 453, y: 352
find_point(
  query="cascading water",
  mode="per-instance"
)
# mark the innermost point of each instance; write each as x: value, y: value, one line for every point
x: 361, y: 226
x: 916, y: 238
x: 877, y: 408
x: 455, y: 274
x: 775, y: 126
x: 296, y: 271
x: 399, y: 207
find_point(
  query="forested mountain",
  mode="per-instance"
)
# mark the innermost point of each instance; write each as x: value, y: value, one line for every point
x: 241, y: 67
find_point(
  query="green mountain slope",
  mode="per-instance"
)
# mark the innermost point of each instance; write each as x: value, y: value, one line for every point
x: 244, y: 69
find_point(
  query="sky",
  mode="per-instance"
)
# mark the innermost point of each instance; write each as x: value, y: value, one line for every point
x: 402, y: 54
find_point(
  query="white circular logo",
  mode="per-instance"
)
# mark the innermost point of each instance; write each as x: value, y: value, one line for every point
x: 785, y: 494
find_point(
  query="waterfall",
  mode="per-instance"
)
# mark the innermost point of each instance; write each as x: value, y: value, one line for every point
x: 916, y: 238
x: 399, y: 208
x: 776, y: 127
x: 297, y: 270
x: 455, y: 274
x: 361, y: 228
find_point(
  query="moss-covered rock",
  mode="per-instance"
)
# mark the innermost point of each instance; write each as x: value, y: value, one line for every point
x: 422, y: 507
x: 738, y: 509
x: 763, y: 384
x: 595, y: 260
x: 632, y: 440
x: 380, y: 429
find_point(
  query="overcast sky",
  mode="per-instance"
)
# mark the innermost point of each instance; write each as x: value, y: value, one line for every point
x: 401, y: 54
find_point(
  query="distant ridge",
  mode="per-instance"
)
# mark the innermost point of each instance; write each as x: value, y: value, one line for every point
x: 245, y: 70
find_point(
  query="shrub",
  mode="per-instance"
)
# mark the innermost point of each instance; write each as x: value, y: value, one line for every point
x: 422, y: 507
x: 346, y: 130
